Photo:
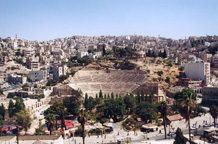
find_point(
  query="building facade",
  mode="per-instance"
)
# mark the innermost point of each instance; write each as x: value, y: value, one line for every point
x: 198, y: 70
x: 16, y: 79
x: 58, y: 71
x: 37, y: 75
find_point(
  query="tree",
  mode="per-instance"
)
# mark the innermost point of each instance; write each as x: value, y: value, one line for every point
x: 69, y: 64
x: 86, y: 101
x: 138, y: 97
x: 19, y: 105
x: 1, y: 121
x: 59, y: 109
x: 160, y: 54
x: 50, y: 121
x: 186, y: 101
x: 160, y: 73
x: 113, y: 108
x: 108, y: 96
x: 112, y: 95
x: 1, y: 91
x: 167, y: 79
x: 51, y: 82
x: 146, y: 111
x: 179, y: 139
x: 164, y: 54
x: 72, y: 104
x: 91, y: 103
x: 100, y: 94
x: 142, y: 96
x: 25, y: 85
x: 11, y: 108
x: 214, y: 113
x: 151, y: 98
x: 146, y: 97
x: 185, y: 93
x: 103, y: 50
x: 181, y: 68
x: 148, y: 54
x: 11, y: 95
x: 35, y: 86
x: 163, y: 110
x: 2, y: 111
x: 117, y: 96
x: 130, y: 103
x: 82, y: 120
x: 24, y: 119
x: 105, y: 96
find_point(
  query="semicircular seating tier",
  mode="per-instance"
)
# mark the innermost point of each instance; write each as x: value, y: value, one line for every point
x: 119, y: 82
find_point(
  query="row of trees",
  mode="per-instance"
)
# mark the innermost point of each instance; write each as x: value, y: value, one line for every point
x: 18, y: 110
x: 160, y: 54
x: 15, y: 108
x: 117, y: 107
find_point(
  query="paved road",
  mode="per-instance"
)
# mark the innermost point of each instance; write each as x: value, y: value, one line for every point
x: 135, y: 139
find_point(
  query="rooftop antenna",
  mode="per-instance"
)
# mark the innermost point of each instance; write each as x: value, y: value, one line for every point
x: 16, y: 36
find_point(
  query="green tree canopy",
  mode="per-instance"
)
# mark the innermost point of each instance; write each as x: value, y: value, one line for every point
x: 184, y: 94
x: 146, y: 111
x: 179, y: 139
x: 130, y: 102
x: 214, y: 113
x: 24, y: 119
x: 113, y: 108
x: 11, y: 108
x: 50, y: 121
x: 2, y: 111
x: 25, y: 85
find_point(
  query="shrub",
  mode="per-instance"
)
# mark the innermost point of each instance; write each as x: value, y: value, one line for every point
x: 51, y: 82
x: 11, y: 95
x: 25, y: 85
x: 181, y: 68
x: 168, y: 63
x: 167, y: 79
x: 126, y: 126
x: 160, y: 73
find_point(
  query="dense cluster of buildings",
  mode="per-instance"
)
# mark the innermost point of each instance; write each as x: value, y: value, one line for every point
x: 41, y: 61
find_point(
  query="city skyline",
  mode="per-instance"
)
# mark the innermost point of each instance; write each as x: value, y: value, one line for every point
x: 48, y: 20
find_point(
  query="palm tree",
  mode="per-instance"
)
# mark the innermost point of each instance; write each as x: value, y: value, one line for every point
x: 163, y: 110
x: 187, y: 106
x: 214, y: 113
x: 50, y: 121
x: 82, y: 120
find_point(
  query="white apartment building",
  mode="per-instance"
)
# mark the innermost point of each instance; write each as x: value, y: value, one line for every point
x: 82, y: 54
x: 58, y: 71
x: 198, y: 70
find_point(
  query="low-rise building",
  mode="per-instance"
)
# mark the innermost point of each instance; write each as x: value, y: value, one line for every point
x: 32, y: 63
x: 215, y: 60
x: 16, y: 79
x: 37, y: 75
x: 58, y: 71
x: 195, y: 84
x: 82, y: 54
x: 173, y: 90
x: 210, y: 93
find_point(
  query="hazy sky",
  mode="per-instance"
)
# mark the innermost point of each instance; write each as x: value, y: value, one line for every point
x: 49, y: 19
